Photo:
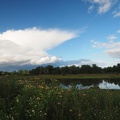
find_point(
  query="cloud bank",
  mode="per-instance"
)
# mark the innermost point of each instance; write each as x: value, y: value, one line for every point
x: 59, y: 63
x: 29, y: 46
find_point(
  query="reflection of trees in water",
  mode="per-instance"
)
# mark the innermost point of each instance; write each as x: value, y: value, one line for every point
x: 88, y: 82
x: 115, y: 81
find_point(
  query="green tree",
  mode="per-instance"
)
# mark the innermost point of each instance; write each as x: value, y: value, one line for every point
x: 49, y: 69
x: 73, y: 69
x: 86, y: 69
x: 65, y: 70
x: 96, y: 69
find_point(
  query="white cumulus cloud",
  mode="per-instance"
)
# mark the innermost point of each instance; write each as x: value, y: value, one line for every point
x: 103, y: 5
x: 90, y: 9
x: 111, y: 38
x: 116, y: 13
x: 118, y: 31
x: 112, y: 48
x: 28, y: 46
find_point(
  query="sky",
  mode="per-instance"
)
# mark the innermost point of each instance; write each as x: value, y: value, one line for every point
x: 59, y: 32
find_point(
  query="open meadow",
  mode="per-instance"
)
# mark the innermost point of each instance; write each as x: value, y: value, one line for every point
x: 37, y: 98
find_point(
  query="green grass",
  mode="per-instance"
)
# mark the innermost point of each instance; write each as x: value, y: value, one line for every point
x: 30, y: 98
x: 81, y: 76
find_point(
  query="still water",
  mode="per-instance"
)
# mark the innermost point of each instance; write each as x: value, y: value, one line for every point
x: 88, y: 83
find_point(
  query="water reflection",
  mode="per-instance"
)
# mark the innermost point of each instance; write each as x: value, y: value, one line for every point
x: 86, y: 84
x: 106, y: 85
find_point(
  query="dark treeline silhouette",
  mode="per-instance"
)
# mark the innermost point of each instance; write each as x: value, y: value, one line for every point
x: 84, y: 69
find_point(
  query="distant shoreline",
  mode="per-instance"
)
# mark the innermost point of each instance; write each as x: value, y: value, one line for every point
x: 81, y: 76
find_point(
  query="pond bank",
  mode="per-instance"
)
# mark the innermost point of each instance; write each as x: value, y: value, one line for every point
x: 81, y: 76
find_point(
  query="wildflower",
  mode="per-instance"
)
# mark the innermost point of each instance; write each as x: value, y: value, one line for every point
x: 12, y: 118
x: 62, y: 91
x: 47, y: 88
x: 56, y: 80
x: 84, y: 94
x: 41, y: 87
x: 60, y: 96
x: 38, y: 98
x: 70, y: 110
x: 43, y: 83
x: 20, y: 82
x: 33, y: 111
x: 17, y: 100
x: 59, y: 93
x: 55, y: 87
x: 36, y: 78
x: 69, y: 90
x: 59, y: 103
x: 28, y: 85
x: 45, y: 113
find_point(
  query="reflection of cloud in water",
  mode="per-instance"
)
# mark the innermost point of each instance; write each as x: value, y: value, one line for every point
x: 106, y: 85
x: 65, y: 87
x: 102, y: 85
x: 78, y: 86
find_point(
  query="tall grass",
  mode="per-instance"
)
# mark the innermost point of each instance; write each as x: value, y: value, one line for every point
x: 34, y: 99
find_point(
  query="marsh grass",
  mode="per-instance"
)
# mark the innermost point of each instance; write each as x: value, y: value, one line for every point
x: 34, y: 99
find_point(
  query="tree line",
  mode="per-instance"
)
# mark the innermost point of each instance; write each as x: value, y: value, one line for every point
x: 84, y: 69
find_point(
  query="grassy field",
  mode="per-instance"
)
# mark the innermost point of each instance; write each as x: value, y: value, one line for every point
x: 81, y: 76
x: 30, y: 98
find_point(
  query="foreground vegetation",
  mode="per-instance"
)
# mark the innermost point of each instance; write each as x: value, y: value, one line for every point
x: 32, y: 98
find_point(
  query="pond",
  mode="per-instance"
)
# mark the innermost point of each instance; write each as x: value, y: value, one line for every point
x: 88, y: 83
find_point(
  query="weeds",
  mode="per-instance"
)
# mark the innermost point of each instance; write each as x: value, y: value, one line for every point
x: 34, y: 99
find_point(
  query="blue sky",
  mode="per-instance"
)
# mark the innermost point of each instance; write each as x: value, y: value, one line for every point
x: 59, y: 32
